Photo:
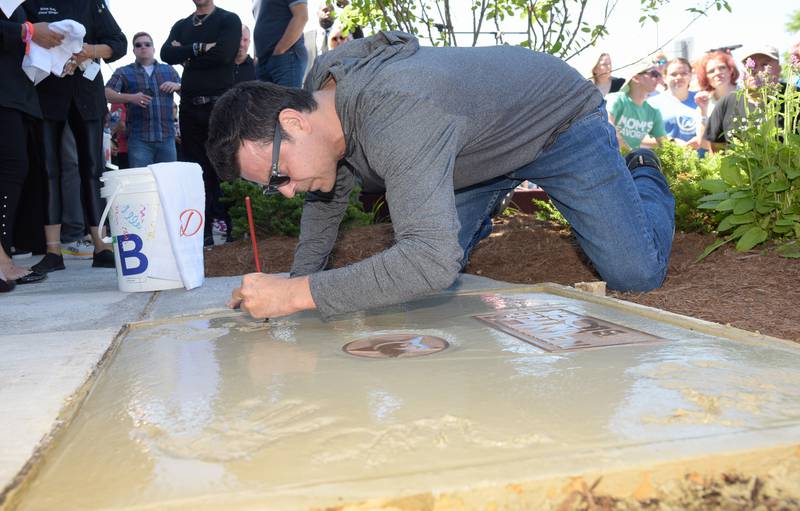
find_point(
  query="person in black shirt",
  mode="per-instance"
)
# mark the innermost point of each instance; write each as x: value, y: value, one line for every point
x: 244, y: 69
x: 19, y: 106
x: 205, y: 44
x: 82, y: 102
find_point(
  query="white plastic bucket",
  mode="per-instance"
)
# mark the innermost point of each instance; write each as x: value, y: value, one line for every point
x: 142, y: 249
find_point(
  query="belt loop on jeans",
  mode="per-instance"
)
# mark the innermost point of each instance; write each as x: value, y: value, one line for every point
x: 203, y: 100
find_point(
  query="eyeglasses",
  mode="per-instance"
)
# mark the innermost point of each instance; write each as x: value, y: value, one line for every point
x: 338, y: 38
x: 276, y: 179
x: 142, y: 45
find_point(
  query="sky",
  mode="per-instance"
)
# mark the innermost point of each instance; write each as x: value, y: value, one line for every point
x: 750, y: 22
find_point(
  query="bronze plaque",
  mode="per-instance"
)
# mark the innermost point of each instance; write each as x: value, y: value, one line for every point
x: 396, y: 346
x: 562, y: 330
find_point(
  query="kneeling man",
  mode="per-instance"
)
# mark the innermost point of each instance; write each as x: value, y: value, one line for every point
x: 447, y: 133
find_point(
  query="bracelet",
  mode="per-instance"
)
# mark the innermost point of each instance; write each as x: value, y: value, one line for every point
x: 28, y: 37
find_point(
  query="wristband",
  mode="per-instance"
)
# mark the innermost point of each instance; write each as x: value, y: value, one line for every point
x: 29, y: 32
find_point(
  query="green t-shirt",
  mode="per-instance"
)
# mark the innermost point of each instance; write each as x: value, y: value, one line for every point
x: 634, y: 122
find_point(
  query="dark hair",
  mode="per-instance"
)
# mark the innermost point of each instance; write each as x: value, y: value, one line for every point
x: 137, y: 35
x: 249, y: 111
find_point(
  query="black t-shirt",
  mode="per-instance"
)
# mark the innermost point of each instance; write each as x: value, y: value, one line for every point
x: 16, y: 90
x: 57, y: 94
x: 244, y: 72
x: 730, y: 115
x: 211, y: 73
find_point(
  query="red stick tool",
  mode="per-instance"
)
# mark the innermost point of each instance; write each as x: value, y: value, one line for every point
x: 252, y: 232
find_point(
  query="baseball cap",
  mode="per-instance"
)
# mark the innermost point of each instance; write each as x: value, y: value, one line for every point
x: 641, y: 66
x: 764, y: 49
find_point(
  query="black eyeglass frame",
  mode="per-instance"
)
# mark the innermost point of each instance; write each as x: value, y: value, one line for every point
x: 276, y: 179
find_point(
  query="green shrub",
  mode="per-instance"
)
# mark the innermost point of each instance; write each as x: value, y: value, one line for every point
x: 758, y: 192
x: 546, y: 212
x: 275, y: 214
x: 685, y: 171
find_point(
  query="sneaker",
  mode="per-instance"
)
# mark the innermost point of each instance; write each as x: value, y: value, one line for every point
x: 642, y: 158
x: 79, y: 249
x: 103, y: 259
x: 50, y: 262
x: 219, y: 227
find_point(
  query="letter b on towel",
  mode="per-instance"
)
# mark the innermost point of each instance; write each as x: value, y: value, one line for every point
x: 135, y: 252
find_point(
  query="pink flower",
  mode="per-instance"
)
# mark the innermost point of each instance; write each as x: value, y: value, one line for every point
x: 749, y: 63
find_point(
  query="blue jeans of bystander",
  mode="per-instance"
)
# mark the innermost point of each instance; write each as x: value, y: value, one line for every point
x: 286, y: 69
x: 142, y: 153
x: 623, y: 220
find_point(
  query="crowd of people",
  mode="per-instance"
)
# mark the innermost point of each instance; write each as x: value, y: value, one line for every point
x: 54, y: 154
x: 696, y: 105
x: 52, y: 159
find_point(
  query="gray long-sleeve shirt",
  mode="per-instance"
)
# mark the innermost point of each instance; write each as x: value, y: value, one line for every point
x: 421, y: 123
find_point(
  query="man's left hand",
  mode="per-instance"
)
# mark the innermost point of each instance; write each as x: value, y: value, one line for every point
x: 170, y: 87
x: 266, y: 296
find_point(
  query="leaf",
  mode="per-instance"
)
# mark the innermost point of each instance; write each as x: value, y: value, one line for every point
x: 713, y: 185
x: 790, y: 250
x: 778, y: 186
x: 743, y: 206
x: 785, y: 221
x: 741, y: 194
x: 725, y: 224
x: 793, y: 172
x: 708, y: 205
x: 739, y: 231
x: 726, y: 205
x: 712, y: 248
x: 730, y: 173
x: 743, y: 219
x: 751, y: 238
x: 764, y: 207
x: 715, y: 197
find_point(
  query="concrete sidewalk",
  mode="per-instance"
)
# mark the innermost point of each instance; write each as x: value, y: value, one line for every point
x: 53, y: 337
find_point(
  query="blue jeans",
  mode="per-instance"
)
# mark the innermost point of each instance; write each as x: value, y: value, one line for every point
x: 142, y: 153
x: 623, y: 220
x: 286, y: 69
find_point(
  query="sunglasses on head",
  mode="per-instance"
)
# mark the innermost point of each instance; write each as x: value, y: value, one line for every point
x: 652, y: 72
x: 142, y: 45
x: 661, y: 62
x: 276, y: 179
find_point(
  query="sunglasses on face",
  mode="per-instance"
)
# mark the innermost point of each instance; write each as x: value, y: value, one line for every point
x: 276, y: 179
x: 142, y: 45
x: 338, y: 38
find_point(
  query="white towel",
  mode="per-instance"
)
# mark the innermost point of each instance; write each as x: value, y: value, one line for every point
x: 9, y: 6
x: 183, y: 198
x: 40, y: 62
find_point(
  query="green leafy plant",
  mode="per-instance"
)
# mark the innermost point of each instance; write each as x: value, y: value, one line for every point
x: 275, y: 214
x: 685, y: 170
x: 546, y: 212
x: 759, y: 186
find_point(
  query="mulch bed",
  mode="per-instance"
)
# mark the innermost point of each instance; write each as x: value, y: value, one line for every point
x: 756, y: 291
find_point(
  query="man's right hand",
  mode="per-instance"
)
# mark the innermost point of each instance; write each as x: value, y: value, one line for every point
x: 44, y: 37
x: 140, y: 99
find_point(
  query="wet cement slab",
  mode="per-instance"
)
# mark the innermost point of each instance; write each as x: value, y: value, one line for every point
x: 470, y: 395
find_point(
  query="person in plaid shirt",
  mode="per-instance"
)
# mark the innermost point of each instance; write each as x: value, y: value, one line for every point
x: 147, y: 87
